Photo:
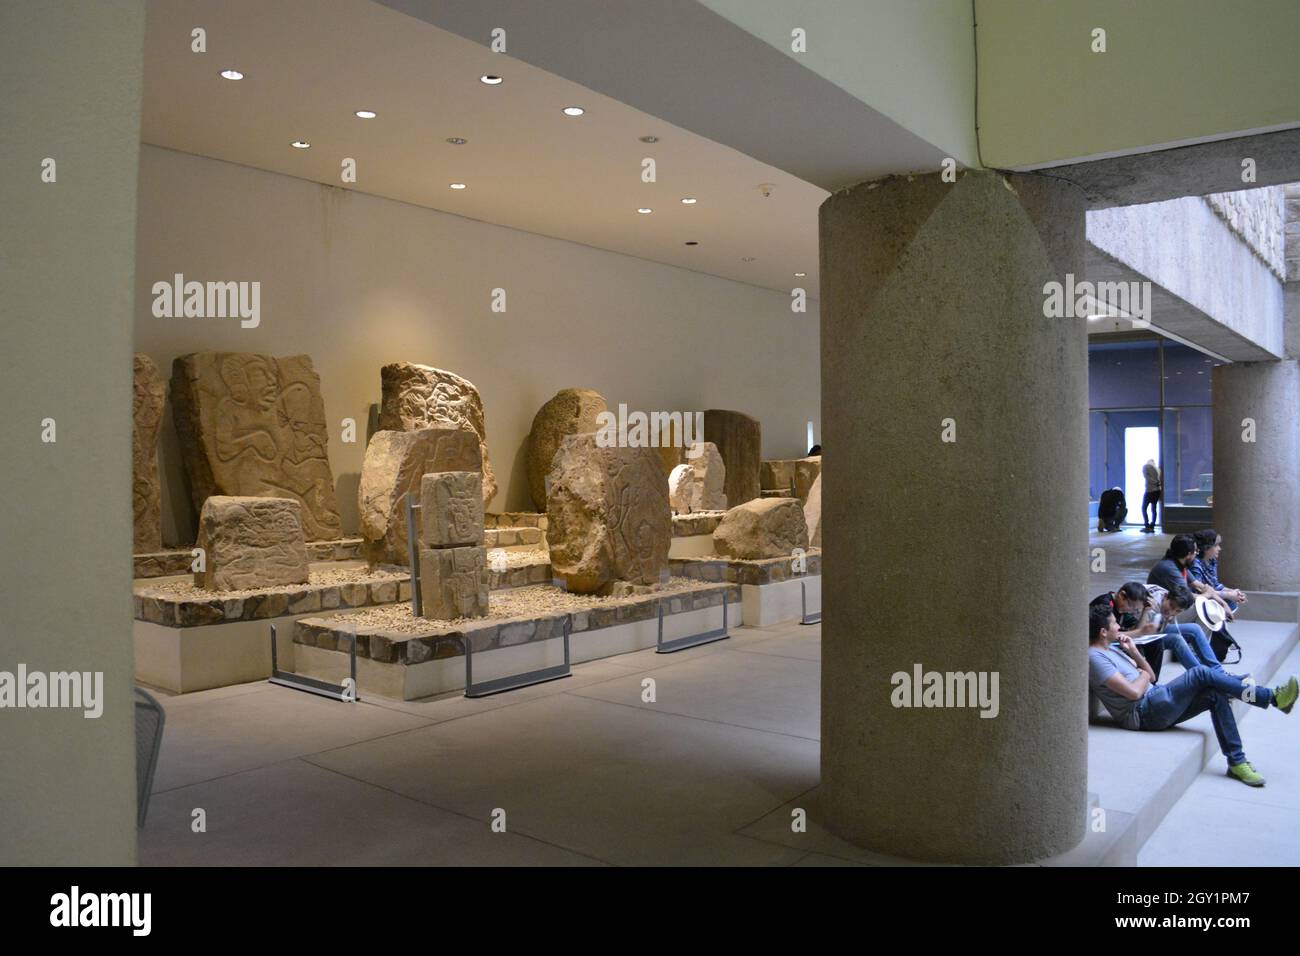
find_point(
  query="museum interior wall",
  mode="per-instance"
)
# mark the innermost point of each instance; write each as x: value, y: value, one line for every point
x: 357, y: 282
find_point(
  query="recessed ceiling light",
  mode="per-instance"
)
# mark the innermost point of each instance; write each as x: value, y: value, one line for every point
x: 645, y: 210
x: 490, y: 79
x: 689, y: 201
x: 691, y: 242
x: 457, y: 141
x: 457, y: 185
x: 300, y: 144
x: 649, y: 139
x: 573, y: 111
x: 232, y: 74
x: 800, y: 275
x: 366, y: 114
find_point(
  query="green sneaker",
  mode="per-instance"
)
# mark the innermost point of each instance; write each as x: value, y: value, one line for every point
x: 1284, y: 695
x: 1246, y: 774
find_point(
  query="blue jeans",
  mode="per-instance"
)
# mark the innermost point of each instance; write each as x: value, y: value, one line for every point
x: 1178, y: 636
x: 1200, y: 689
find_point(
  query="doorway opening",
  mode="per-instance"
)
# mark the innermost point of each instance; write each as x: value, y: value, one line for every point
x: 1141, y: 445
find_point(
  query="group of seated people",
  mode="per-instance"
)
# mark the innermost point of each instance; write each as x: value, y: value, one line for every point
x: 1130, y: 629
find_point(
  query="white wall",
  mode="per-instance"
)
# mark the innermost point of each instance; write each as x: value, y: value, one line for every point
x: 357, y: 281
x: 70, y: 81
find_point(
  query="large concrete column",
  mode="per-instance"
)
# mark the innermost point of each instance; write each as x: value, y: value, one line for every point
x: 71, y: 80
x: 959, y: 556
x: 1257, y: 482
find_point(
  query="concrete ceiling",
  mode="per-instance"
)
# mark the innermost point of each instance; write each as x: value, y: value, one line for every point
x: 1170, y: 315
x: 309, y: 65
x: 679, y: 60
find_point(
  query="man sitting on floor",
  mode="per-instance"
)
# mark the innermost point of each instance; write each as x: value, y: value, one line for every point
x: 1123, y: 681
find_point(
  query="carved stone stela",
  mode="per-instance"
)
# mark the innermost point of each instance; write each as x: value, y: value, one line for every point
x: 251, y: 543
x: 394, y: 465
x: 608, y: 518
x: 454, y: 578
x: 739, y: 439
x: 572, y: 411
x: 420, y: 396
x: 255, y: 425
x: 146, y: 492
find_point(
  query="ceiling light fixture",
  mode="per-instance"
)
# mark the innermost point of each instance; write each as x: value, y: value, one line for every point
x: 232, y: 74
x: 573, y: 111
x: 649, y: 139
x: 457, y: 141
x: 800, y: 275
x: 490, y: 79
x: 300, y: 144
x: 689, y: 201
x: 645, y: 210
x: 366, y: 114
x: 457, y: 185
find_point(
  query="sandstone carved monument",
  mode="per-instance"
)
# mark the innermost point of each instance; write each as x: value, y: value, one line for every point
x: 699, y: 484
x: 146, y: 492
x: 786, y: 474
x: 420, y: 396
x: 608, y: 519
x: 812, y: 513
x: 394, y: 465
x: 254, y: 425
x: 454, y: 578
x: 762, y: 528
x: 572, y: 411
x: 739, y: 439
x: 251, y: 542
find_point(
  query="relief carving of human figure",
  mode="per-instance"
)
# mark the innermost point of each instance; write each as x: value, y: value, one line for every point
x: 243, y: 416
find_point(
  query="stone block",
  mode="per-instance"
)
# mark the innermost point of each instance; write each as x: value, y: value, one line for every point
x: 254, y: 425
x: 607, y: 515
x: 251, y: 543
x: 146, y: 417
x: 420, y: 396
x: 454, y: 582
x: 395, y: 462
x: 764, y: 528
x: 451, y: 509
x: 571, y: 411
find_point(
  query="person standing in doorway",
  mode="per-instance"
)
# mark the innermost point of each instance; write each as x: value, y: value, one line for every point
x: 1151, y: 474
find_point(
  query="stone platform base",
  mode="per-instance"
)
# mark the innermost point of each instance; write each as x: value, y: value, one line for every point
x: 184, y: 659
x: 413, y: 681
x: 406, y: 665
x: 765, y: 604
x: 158, y: 564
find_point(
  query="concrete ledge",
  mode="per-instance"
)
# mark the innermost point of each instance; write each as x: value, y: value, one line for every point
x: 737, y: 571
x: 184, y: 659
x: 1270, y: 606
x: 766, y: 604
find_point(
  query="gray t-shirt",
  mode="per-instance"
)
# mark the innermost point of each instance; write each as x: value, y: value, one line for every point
x: 1101, y: 665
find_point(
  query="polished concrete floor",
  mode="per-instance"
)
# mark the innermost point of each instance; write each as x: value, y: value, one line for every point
x: 587, y: 771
